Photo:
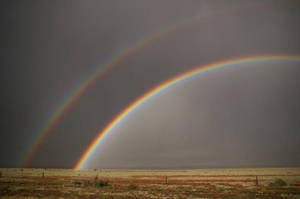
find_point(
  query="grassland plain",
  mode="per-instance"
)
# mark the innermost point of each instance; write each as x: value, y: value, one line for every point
x: 176, y: 184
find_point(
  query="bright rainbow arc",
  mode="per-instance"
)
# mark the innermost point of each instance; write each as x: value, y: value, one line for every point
x: 163, y: 86
x: 101, y: 71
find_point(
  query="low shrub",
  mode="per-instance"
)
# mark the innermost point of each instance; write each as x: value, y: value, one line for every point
x: 96, y: 183
x: 100, y: 183
x: 132, y: 186
x: 4, y: 190
x: 77, y: 183
x: 87, y: 183
x: 278, y: 183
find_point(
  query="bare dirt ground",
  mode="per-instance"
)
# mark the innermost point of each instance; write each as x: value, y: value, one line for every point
x: 178, y: 184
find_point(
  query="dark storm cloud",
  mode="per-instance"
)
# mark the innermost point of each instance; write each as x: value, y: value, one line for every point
x: 49, y: 47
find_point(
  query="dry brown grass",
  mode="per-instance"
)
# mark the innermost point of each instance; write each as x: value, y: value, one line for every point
x: 121, y: 184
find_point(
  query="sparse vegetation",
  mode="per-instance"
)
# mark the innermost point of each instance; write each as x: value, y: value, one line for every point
x: 124, y: 184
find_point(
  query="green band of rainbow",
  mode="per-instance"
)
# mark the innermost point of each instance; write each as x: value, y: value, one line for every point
x: 163, y: 86
x: 105, y: 68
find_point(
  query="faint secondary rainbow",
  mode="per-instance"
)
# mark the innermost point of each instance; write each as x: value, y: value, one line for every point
x: 102, y: 70
x: 167, y: 84
x: 75, y: 95
x: 88, y: 82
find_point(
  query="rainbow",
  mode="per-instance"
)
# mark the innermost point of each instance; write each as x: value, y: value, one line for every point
x: 167, y: 84
x: 103, y: 69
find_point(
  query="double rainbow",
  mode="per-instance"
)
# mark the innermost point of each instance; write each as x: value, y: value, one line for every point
x: 102, y: 70
x: 167, y: 84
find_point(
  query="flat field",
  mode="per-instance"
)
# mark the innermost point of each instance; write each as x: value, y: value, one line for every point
x: 178, y: 184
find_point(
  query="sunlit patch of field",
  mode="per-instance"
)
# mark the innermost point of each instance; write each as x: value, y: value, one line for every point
x: 115, y: 184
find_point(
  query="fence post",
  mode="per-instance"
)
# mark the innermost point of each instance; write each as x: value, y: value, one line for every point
x: 256, y: 181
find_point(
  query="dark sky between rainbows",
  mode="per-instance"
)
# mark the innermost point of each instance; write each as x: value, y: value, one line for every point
x: 227, y: 118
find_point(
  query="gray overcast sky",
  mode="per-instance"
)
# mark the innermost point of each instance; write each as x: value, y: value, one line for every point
x: 48, y: 47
